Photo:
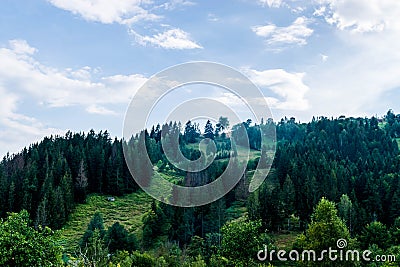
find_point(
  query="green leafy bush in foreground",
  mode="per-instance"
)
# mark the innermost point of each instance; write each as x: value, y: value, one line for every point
x: 21, y: 245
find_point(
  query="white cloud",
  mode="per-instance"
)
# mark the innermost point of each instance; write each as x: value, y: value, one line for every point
x: 22, y: 47
x: 361, y: 73
x: 295, y: 6
x: 360, y: 15
x: 288, y: 86
x: 129, y: 12
x: 364, y: 61
x: 173, y: 4
x: 57, y: 88
x: 212, y: 17
x: 271, y: 3
x: 17, y: 130
x: 319, y: 11
x: 105, y: 11
x: 31, y: 81
x: 100, y: 110
x: 296, y: 33
x: 170, y: 39
x: 324, y: 58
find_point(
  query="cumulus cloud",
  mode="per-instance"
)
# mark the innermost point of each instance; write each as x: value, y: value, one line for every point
x: 289, y: 87
x: 105, y: 11
x: 57, y: 88
x: 359, y: 15
x: 363, y: 65
x: 129, y: 13
x: 22, y: 47
x: 361, y: 72
x: 170, y: 39
x: 296, y: 33
x: 22, y: 77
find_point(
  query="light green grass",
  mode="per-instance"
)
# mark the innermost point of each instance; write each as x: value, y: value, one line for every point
x: 128, y: 210
x: 243, y: 151
x: 284, y: 241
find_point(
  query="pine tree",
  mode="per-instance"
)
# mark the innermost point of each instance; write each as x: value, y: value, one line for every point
x: 117, y: 238
x: 209, y: 130
x: 96, y: 223
x: 346, y: 211
x: 81, y: 183
x: 11, y: 197
x: 68, y: 192
x: 42, y: 215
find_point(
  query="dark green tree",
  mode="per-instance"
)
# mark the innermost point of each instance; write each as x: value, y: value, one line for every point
x: 375, y: 233
x: 96, y: 223
x: 324, y: 231
x: 209, y: 130
x: 117, y: 238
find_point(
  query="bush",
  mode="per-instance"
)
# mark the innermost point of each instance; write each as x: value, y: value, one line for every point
x: 21, y: 245
x: 142, y: 260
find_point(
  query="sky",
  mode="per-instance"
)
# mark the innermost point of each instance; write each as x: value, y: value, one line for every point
x: 76, y: 64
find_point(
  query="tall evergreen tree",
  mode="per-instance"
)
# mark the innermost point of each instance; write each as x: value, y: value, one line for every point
x: 209, y: 130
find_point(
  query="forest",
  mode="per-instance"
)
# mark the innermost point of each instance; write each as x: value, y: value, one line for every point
x: 331, y: 179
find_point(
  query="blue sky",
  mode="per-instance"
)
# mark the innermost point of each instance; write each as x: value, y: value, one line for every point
x: 75, y: 64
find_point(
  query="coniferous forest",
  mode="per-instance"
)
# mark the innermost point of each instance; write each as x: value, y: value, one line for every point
x: 331, y: 178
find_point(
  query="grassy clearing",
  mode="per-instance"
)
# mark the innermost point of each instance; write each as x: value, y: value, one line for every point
x: 284, y: 241
x: 128, y: 210
x: 241, y: 149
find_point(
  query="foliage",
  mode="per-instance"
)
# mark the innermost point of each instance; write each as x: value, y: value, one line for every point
x: 375, y: 233
x: 353, y: 162
x: 96, y: 223
x: 142, y: 259
x: 241, y: 240
x: 324, y: 231
x: 155, y: 224
x: 209, y: 130
x: 117, y: 238
x: 22, y: 245
x: 49, y: 178
x: 94, y: 253
x: 128, y: 210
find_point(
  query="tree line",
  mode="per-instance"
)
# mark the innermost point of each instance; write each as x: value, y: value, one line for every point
x: 352, y: 162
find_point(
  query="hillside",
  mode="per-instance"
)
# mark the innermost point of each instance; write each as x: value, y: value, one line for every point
x: 128, y: 210
x: 346, y: 167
